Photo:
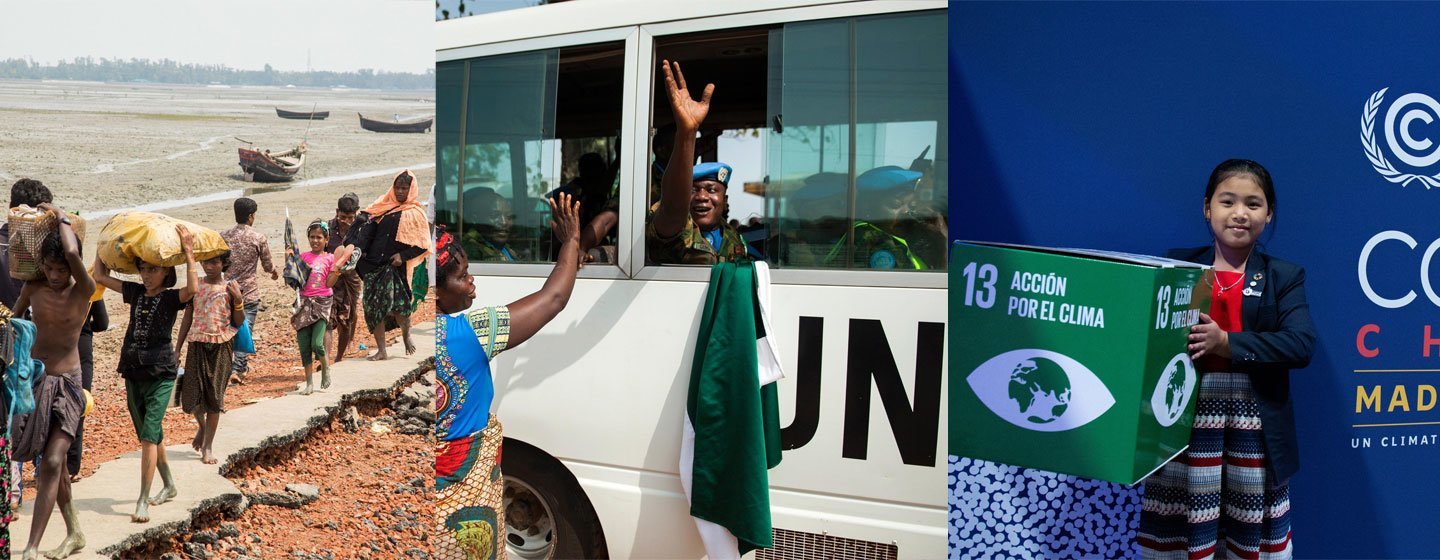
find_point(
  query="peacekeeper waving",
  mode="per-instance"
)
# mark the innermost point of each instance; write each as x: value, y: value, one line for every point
x: 689, y: 226
x: 884, y: 198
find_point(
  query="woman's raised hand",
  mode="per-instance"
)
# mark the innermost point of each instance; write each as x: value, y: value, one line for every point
x: 565, y: 218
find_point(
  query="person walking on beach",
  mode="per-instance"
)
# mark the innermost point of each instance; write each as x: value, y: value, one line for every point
x: 97, y: 321
x: 249, y: 250
x: 147, y: 361
x: 345, y: 308
x: 316, y: 298
x: 32, y: 193
x: 209, y: 327
x: 60, y: 304
x: 397, y: 241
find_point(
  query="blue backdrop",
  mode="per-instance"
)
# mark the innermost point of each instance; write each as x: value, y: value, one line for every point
x: 1096, y: 125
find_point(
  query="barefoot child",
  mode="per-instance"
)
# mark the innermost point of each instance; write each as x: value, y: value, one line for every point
x: 147, y: 361
x: 209, y: 327
x: 316, y: 297
x: 60, y: 304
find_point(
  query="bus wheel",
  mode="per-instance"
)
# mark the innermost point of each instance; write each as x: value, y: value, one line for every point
x: 547, y: 514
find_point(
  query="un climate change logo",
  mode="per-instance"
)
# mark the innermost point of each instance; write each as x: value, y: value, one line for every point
x: 1040, y: 390
x: 1173, y: 391
x: 1418, y: 153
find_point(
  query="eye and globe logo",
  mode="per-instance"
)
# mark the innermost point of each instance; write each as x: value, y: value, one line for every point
x: 1404, y: 119
x: 1172, y: 393
x: 1040, y: 390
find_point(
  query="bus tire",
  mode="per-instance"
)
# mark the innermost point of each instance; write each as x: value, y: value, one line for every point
x: 576, y: 531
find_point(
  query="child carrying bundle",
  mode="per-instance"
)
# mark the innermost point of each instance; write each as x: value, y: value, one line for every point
x: 316, y: 296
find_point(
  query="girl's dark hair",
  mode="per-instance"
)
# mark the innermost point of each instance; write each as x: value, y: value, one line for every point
x: 224, y: 259
x: 320, y: 225
x: 170, y: 278
x: 1233, y: 167
x: 404, y: 180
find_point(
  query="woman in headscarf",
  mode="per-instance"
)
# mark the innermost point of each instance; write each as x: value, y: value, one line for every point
x: 396, y: 242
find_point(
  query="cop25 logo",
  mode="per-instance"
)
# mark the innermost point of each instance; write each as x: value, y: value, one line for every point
x: 1172, y: 393
x: 1418, y: 154
x: 1040, y: 390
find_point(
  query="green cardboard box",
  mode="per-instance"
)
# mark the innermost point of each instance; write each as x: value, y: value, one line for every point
x: 1070, y: 360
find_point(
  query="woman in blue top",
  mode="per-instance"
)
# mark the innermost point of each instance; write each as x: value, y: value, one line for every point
x: 470, y: 509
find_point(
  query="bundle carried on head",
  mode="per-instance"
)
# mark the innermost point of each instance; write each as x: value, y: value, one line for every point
x: 29, y: 228
x: 152, y: 238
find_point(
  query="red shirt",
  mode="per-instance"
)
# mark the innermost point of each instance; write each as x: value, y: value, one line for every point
x: 1225, y: 310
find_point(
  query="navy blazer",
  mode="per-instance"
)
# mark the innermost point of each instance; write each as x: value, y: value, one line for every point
x: 1277, y: 337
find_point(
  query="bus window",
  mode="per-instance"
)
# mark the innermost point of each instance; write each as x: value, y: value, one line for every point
x: 836, y: 134
x: 514, y: 129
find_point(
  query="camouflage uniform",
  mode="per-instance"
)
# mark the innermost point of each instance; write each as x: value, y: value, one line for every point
x: 874, y: 248
x: 477, y: 250
x: 689, y: 245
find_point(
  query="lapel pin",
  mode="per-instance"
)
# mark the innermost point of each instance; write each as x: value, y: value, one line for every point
x: 1259, y: 276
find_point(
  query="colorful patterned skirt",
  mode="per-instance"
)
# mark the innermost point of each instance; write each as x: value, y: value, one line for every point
x: 387, y: 292
x: 470, y: 509
x: 207, y: 375
x: 1218, y: 500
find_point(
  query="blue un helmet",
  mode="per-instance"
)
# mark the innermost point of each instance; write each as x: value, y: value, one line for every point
x: 713, y: 171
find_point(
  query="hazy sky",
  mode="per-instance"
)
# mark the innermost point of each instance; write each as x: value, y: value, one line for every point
x: 391, y: 35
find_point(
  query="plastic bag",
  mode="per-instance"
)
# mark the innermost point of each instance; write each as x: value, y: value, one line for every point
x: 244, y: 342
x: 296, y: 273
x: 152, y: 238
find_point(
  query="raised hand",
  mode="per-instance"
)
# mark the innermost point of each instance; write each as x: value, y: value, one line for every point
x: 565, y: 218
x: 187, y: 239
x: 688, y: 112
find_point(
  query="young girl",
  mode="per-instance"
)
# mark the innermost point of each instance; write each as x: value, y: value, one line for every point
x: 209, y: 326
x: 470, y: 510
x: 1231, y: 488
x: 147, y: 361
x: 315, y: 301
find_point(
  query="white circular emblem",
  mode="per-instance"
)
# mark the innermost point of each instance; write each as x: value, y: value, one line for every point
x: 1412, y: 151
x: 1172, y: 394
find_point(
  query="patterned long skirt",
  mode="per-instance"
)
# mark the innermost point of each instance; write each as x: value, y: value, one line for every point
x: 1218, y: 500
x: 6, y: 486
x: 207, y: 375
x: 387, y: 292
x: 470, y: 508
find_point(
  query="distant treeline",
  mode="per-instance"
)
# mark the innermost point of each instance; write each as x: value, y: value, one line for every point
x: 172, y: 72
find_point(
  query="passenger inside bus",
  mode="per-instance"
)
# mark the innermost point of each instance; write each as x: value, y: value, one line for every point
x: 689, y: 224
x: 884, y: 198
x: 594, y: 187
x: 801, y: 117
x: 490, y: 217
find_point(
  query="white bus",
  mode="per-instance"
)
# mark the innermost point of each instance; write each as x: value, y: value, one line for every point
x: 809, y: 95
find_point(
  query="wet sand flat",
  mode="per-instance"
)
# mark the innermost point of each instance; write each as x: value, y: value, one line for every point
x: 106, y: 146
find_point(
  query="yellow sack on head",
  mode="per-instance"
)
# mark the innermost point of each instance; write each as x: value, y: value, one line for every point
x: 152, y: 238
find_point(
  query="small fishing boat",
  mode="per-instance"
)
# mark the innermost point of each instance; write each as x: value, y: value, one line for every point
x: 265, y: 167
x: 413, y: 125
x: 302, y: 115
